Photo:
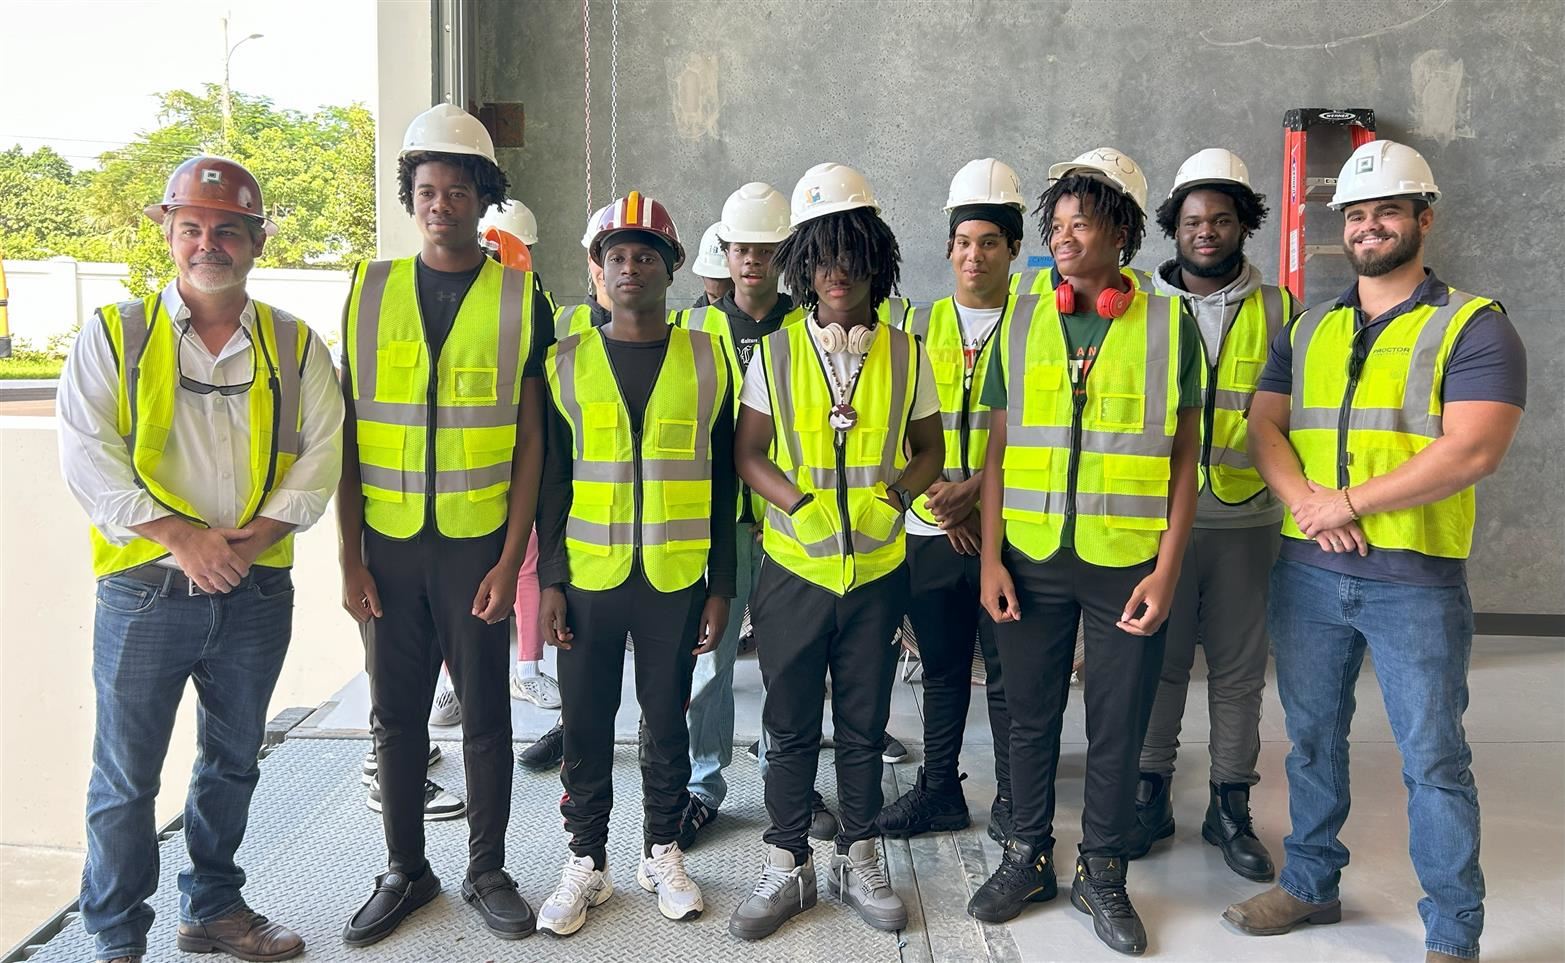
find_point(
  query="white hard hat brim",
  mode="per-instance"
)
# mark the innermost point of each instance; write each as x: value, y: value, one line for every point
x: 752, y: 237
x: 835, y: 207
x: 1209, y: 182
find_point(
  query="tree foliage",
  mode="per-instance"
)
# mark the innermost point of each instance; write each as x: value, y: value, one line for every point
x: 317, y: 175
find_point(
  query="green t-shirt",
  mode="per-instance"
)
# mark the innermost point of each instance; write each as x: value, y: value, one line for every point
x: 1084, y: 334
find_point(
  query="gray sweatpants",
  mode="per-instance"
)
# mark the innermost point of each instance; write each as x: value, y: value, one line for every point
x: 1221, y: 604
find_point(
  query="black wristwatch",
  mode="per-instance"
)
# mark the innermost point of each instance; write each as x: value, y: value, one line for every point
x: 903, y: 496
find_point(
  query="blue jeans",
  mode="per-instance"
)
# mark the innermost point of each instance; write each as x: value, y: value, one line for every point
x: 1421, y: 639
x: 711, y: 714
x: 146, y: 645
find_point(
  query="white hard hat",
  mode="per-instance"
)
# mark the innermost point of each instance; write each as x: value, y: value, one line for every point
x: 710, y: 262
x: 1108, y: 165
x: 448, y: 129
x: 986, y: 181
x: 592, y: 226
x: 1384, y: 168
x: 1214, y: 165
x: 512, y: 217
x: 829, y: 189
x: 756, y: 213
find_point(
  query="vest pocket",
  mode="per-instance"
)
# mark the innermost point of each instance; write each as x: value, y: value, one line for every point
x: 877, y: 519
x: 812, y: 523
x: 592, y: 503
x: 869, y: 443
x: 1026, y: 469
x: 675, y: 436
x: 487, y: 455
x: 474, y: 386
x: 1121, y: 410
x: 1245, y: 373
x: 1041, y: 402
x: 1136, y: 485
x: 399, y: 365
x: 380, y: 460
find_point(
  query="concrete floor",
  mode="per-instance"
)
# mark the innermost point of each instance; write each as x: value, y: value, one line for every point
x: 1516, y: 725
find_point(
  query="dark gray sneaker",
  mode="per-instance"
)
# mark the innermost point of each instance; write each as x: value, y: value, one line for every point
x: 785, y: 890
x: 823, y: 823
x: 859, y: 879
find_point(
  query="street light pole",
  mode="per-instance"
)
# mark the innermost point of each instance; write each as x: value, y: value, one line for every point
x: 228, y: 111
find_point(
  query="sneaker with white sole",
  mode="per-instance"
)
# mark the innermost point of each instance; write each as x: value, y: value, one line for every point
x: 663, y: 873
x: 371, y: 766
x: 581, y: 886
x: 438, y: 804
x: 859, y: 880
x: 446, y: 711
x: 541, y: 690
x: 786, y: 889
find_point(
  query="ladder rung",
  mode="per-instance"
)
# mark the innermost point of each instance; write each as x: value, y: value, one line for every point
x: 1310, y: 250
x: 1319, y: 188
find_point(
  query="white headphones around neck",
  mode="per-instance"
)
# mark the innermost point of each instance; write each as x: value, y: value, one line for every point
x: 857, y: 339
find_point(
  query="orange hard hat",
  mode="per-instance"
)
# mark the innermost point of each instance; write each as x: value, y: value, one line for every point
x: 635, y: 212
x: 507, y: 248
x: 215, y: 182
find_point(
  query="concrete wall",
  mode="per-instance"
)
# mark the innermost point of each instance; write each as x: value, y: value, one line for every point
x: 713, y: 93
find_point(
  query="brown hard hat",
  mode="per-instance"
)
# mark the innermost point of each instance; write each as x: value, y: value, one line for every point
x: 214, y: 182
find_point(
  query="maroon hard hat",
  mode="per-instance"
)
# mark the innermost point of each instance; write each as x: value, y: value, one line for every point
x: 214, y: 182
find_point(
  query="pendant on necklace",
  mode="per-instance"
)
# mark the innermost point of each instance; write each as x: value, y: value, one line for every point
x: 843, y: 417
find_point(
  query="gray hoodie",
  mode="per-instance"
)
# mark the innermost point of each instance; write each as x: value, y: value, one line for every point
x: 1212, y: 314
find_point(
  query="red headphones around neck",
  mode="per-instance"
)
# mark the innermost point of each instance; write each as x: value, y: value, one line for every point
x: 1112, y: 302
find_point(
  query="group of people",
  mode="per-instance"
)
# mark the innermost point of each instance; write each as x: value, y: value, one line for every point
x: 1167, y: 459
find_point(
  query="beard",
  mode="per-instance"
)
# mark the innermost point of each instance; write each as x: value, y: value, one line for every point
x: 214, y: 277
x: 1221, y: 268
x: 1384, y: 261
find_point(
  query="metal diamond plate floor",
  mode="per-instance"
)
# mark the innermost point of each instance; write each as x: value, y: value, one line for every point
x: 313, y: 849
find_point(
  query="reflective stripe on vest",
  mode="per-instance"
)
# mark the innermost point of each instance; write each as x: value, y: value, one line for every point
x: 476, y: 400
x: 649, y: 492
x: 848, y: 472
x: 1107, y: 459
x: 894, y: 311
x: 963, y: 419
x: 1348, y: 430
x: 1228, y: 388
x: 571, y: 319
x: 147, y: 384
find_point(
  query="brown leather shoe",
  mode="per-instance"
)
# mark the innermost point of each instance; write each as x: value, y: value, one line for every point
x: 1435, y: 956
x: 245, y: 934
x: 1276, y: 911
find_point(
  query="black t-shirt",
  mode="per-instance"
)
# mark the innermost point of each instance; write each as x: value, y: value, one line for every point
x: 748, y: 332
x: 636, y: 365
x: 440, y: 295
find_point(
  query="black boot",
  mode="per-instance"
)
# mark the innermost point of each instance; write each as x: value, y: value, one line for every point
x: 925, y: 810
x: 1001, y: 820
x: 1228, y: 828
x: 1099, y: 891
x: 1154, y: 813
x: 1025, y: 875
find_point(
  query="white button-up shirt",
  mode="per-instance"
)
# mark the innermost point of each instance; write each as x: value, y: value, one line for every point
x: 207, y: 456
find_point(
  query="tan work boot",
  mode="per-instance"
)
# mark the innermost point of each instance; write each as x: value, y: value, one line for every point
x: 245, y: 934
x: 1276, y: 911
x: 1435, y: 956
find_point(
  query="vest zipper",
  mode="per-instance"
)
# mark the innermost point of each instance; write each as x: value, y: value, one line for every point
x: 1078, y: 407
x: 430, y: 395
x: 839, y: 446
x: 635, y: 454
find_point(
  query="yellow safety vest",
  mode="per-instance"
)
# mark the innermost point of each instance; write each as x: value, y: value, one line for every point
x: 1227, y: 388
x: 894, y: 311
x: 577, y: 319
x: 964, y: 420
x: 468, y: 415
x: 1041, y: 280
x: 847, y: 535
x: 646, y: 494
x: 146, y: 353
x: 1347, y: 430
x: 1107, y: 458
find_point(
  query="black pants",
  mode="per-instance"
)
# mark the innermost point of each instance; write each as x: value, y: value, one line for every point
x: 803, y: 631
x: 1121, y: 682
x: 945, y: 610
x: 663, y: 626
x: 426, y: 587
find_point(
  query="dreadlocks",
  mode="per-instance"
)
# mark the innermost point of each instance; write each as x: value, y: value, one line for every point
x: 1248, y: 205
x: 857, y: 239
x: 1101, y: 202
x: 488, y: 179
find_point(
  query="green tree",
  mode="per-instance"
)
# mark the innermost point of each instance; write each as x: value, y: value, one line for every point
x: 40, y: 204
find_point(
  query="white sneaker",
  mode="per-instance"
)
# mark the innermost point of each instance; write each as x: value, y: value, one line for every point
x: 541, y: 690
x: 446, y: 711
x: 581, y: 886
x: 663, y: 873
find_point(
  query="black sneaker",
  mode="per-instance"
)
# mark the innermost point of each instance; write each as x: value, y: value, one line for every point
x: 1002, y: 821
x: 754, y: 749
x: 1099, y: 891
x: 371, y: 766
x: 893, y: 750
x: 1154, y: 813
x: 438, y: 804
x: 547, y: 753
x: 823, y: 825
x: 922, y: 810
x: 698, y: 815
x: 1025, y: 875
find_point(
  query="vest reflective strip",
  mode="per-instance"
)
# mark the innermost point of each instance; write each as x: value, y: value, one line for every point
x: 562, y: 321
x: 1414, y: 417
x: 782, y: 363
x: 1088, y: 503
x: 978, y: 420
x: 615, y: 472
x: 513, y: 295
x: 134, y: 332
x: 447, y: 482
x: 652, y: 533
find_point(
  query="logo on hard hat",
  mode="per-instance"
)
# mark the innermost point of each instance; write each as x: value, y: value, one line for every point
x: 211, y: 176
x: 1365, y: 164
x: 813, y: 195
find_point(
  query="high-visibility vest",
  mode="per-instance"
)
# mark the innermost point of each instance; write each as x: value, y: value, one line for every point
x: 1041, y: 280
x: 848, y: 535
x: 1227, y: 388
x: 1105, y: 459
x: 575, y: 319
x: 646, y: 494
x: 468, y: 415
x: 1347, y: 430
x: 715, y: 322
x: 146, y: 352
x: 963, y: 418
x: 894, y: 311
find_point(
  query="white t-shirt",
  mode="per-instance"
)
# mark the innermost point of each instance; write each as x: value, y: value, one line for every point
x: 976, y: 324
x: 926, y: 400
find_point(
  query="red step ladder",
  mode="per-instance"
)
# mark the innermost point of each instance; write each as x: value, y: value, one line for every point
x: 1299, y: 189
